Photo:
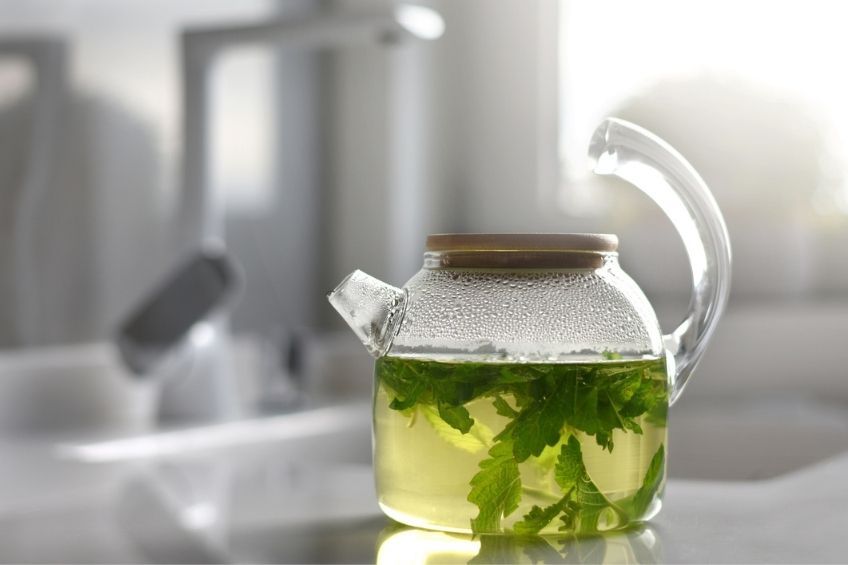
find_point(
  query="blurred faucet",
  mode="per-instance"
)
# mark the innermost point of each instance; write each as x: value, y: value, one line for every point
x: 199, y: 219
x: 169, y: 333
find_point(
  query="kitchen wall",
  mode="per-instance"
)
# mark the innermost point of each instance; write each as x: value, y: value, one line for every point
x: 385, y: 144
x: 101, y: 236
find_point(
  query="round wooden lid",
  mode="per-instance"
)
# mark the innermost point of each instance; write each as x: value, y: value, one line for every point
x: 599, y: 242
x: 519, y: 250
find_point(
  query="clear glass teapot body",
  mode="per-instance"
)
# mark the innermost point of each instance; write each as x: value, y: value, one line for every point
x: 522, y: 381
x: 509, y: 389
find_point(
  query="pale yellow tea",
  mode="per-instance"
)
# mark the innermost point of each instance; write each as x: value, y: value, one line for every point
x: 518, y: 447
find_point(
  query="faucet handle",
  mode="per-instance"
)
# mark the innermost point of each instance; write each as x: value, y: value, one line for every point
x: 205, y: 284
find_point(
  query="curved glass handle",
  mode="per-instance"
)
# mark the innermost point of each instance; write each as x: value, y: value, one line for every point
x: 644, y: 160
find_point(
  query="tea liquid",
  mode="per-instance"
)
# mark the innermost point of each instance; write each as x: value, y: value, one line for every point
x: 474, y: 447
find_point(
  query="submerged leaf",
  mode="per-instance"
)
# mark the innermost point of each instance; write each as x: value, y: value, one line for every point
x: 410, y: 396
x: 650, y: 485
x: 456, y: 417
x: 540, y: 423
x: 503, y: 408
x: 477, y: 439
x: 495, y: 489
x: 587, y: 503
x: 569, y: 467
x: 538, y: 517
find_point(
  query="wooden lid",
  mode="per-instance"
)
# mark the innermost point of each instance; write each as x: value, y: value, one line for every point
x: 519, y: 250
x: 598, y: 242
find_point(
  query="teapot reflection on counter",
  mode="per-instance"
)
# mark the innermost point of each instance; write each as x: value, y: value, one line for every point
x: 398, y: 545
x: 522, y: 380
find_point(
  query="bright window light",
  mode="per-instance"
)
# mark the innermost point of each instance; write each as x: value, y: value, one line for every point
x: 422, y: 21
x: 611, y: 50
x: 242, y: 143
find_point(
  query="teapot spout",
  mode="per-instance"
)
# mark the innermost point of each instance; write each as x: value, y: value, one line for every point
x: 372, y: 309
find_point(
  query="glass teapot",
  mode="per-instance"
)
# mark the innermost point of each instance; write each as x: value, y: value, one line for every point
x: 522, y: 381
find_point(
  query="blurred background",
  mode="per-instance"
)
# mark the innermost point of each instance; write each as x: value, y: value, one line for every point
x: 326, y: 155
x: 312, y: 137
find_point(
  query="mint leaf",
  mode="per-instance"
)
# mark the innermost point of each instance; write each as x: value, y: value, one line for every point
x: 586, y: 503
x: 624, y: 385
x: 651, y: 392
x: 569, y: 467
x: 595, y: 414
x: 613, y: 398
x: 585, y: 417
x: 538, y: 517
x: 582, y: 506
x: 403, y: 383
x: 412, y: 393
x: 495, y: 489
x: 449, y: 389
x: 456, y: 416
x: 433, y: 384
x: 650, y: 485
x: 528, y: 373
x: 658, y: 415
x: 540, y: 423
x: 503, y: 408
x: 477, y: 439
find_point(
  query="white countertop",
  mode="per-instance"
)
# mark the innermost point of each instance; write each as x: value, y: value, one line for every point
x: 262, y: 491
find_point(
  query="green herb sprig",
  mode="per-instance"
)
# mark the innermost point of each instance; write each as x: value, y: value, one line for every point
x: 551, y: 403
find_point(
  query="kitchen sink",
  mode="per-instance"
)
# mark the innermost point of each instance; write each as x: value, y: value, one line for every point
x: 298, y: 487
x: 711, y: 438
